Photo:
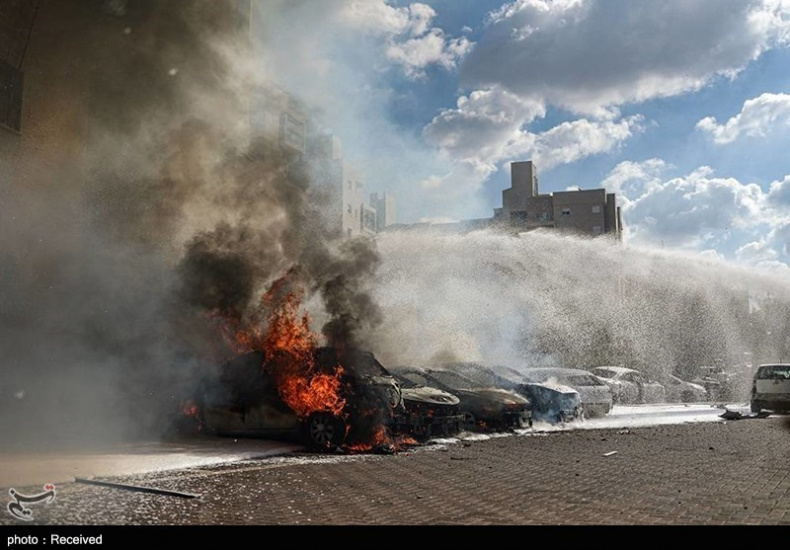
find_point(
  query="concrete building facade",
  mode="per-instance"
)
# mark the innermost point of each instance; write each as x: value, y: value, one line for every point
x: 590, y: 212
x: 338, y: 189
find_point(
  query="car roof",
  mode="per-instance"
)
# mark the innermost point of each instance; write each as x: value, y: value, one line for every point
x: 555, y: 371
x: 612, y: 368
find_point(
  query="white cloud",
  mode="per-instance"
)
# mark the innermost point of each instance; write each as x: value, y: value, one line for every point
x: 716, y: 217
x: 572, y: 141
x: 433, y: 47
x: 779, y: 195
x: 758, y: 117
x: 700, y: 211
x: 488, y: 127
x: 409, y: 39
x: 587, y: 56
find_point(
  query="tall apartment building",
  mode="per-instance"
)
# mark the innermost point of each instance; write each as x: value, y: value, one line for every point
x: 338, y: 189
x: 384, y: 204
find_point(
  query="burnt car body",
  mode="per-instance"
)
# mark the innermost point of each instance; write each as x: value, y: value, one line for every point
x: 596, y: 396
x: 550, y: 402
x: 242, y: 399
x: 483, y: 408
x: 429, y: 411
x: 630, y: 386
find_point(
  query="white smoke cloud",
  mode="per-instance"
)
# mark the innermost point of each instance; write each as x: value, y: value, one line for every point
x: 758, y: 118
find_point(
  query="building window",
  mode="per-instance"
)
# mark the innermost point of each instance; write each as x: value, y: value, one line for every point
x: 566, y: 211
x: 596, y: 209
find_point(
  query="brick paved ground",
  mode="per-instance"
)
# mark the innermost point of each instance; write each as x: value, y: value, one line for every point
x: 716, y: 473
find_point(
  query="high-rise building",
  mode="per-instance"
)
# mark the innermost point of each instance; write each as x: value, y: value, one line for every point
x: 337, y: 188
x: 384, y: 204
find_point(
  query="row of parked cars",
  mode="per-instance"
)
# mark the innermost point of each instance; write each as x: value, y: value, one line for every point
x: 242, y: 399
x: 630, y: 386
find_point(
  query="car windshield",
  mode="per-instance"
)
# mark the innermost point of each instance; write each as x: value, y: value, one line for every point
x: 605, y: 373
x: 452, y: 379
x: 364, y: 363
x: 581, y: 380
x: 781, y: 372
x: 405, y: 380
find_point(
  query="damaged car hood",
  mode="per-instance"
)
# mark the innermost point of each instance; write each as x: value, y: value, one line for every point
x: 427, y: 394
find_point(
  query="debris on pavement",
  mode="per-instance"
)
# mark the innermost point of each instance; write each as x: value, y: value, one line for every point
x: 738, y: 415
x: 135, y: 488
x: 610, y: 453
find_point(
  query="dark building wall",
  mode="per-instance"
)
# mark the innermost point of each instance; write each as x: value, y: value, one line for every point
x: 581, y: 211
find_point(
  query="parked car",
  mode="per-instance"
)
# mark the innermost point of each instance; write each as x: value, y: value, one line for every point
x: 682, y: 391
x: 771, y: 388
x: 242, y: 399
x: 719, y: 383
x: 596, y: 396
x: 550, y: 402
x: 430, y: 411
x: 483, y: 408
x: 630, y: 385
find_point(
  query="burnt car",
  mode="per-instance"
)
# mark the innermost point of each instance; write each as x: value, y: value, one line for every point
x: 242, y: 399
x: 429, y: 411
x: 483, y: 408
x: 596, y: 396
x: 629, y: 386
x: 550, y: 402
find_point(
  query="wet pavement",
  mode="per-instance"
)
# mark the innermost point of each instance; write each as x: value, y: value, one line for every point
x: 699, y: 473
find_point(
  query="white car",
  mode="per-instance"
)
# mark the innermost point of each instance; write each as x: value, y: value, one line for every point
x: 630, y: 385
x: 682, y: 391
x: 771, y: 388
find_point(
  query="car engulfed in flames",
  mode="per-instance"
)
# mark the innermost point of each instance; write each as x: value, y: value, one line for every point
x: 342, y: 400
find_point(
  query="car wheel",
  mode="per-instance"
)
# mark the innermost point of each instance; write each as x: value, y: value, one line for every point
x: 756, y: 407
x: 470, y: 422
x: 324, y: 431
x: 524, y: 420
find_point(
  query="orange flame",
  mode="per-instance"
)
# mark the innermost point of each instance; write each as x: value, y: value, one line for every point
x: 289, y: 345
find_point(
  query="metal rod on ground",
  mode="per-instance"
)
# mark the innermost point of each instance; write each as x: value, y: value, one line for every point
x: 135, y: 488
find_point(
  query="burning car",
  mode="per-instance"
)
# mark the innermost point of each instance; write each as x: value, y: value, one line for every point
x: 429, y: 411
x: 596, y: 396
x: 550, y: 402
x: 347, y: 399
x: 483, y: 408
x: 630, y: 385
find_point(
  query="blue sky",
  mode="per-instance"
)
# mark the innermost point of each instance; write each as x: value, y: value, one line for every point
x: 682, y: 107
